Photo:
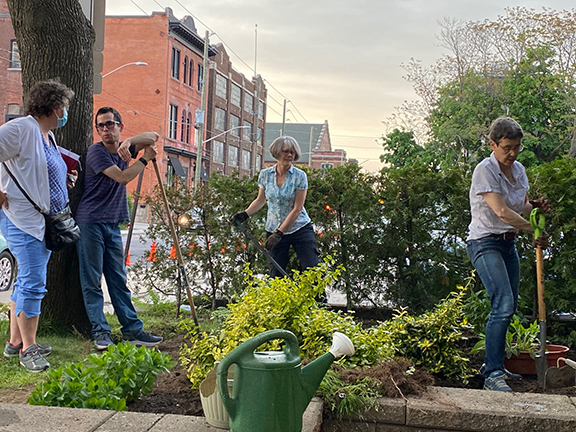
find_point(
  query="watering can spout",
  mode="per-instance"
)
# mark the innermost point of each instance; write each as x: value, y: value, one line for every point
x: 313, y: 373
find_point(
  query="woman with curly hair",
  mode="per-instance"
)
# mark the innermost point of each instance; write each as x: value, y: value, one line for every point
x: 29, y: 153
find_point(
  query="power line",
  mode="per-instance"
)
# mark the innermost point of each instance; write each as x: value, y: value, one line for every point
x: 135, y: 4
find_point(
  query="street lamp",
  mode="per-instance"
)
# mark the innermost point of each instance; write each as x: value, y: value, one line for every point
x: 138, y: 63
x: 199, y: 153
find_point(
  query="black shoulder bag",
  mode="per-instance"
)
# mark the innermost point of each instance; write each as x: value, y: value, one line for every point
x: 61, y: 228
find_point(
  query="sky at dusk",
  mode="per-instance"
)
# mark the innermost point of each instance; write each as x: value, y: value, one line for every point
x: 333, y: 60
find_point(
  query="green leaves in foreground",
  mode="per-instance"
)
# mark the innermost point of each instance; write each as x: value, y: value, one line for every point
x: 106, y: 381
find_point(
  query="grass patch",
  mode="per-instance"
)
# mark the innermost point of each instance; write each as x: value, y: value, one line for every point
x: 65, y: 349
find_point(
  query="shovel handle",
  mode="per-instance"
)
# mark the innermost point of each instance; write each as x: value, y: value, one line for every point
x: 540, y: 284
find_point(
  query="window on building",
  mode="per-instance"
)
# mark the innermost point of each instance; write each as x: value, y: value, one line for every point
x: 326, y: 165
x: 175, y: 63
x: 233, y: 156
x: 182, y: 123
x: 218, y: 152
x: 14, y: 55
x: 221, y: 86
x: 235, y: 94
x: 261, y: 110
x: 191, y: 73
x: 246, y: 157
x: 248, y: 103
x: 234, y: 123
x: 188, y: 122
x: 173, y: 122
x: 185, y: 70
x: 258, y: 162
x: 247, y: 131
x: 200, y: 75
x: 219, y: 119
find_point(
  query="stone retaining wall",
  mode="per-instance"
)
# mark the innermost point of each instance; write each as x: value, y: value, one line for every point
x: 451, y: 409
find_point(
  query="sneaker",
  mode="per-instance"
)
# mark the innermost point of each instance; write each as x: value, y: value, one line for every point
x: 14, y: 350
x: 496, y: 382
x: 32, y: 360
x: 103, y: 341
x: 506, y: 372
x: 142, y: 338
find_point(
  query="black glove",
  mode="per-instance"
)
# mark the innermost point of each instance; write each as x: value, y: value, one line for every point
x: 273, y: 240
x: 239, y: 218
x: 541, y: 241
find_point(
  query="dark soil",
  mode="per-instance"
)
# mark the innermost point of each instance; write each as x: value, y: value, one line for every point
x: 172, y: 393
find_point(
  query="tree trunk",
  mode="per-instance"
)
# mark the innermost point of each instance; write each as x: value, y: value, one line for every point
x: 55, y: 41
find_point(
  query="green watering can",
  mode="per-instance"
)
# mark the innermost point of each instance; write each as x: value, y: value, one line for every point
x: 271, y: 391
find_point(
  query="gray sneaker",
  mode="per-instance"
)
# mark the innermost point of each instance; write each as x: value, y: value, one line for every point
x: 103, y: 341
x: 14, y: 350
x: 497, y: 382
x: 143, y: 338
x: 32, y: 360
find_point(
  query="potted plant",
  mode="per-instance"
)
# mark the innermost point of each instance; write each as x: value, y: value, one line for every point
x: 522, y: 345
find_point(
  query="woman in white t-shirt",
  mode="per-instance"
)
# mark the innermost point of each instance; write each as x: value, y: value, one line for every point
x: 498, y: 198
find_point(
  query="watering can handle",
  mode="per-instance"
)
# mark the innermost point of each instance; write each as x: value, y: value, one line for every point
x: 247, y: 348
x: 537, y: 221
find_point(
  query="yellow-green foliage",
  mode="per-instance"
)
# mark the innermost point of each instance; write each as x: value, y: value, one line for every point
x: 429, y: 340
x: 281, y: 303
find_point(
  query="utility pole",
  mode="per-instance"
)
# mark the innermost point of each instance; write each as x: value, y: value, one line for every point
x: 310, y: 152
x: 283, y: 119
x: 200, y: 129
x: 255, y: 123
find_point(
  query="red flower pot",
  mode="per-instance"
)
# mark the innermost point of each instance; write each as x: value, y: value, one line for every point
x: 526, y: 365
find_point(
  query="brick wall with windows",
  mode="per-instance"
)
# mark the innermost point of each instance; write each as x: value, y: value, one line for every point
x: 232, y: 103
x: 10, y: 73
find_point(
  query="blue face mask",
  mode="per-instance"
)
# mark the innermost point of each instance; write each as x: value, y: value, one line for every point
x: 62, y: 121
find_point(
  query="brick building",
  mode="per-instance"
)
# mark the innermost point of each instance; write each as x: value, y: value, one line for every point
x: 10, y: 74
x: 232, y: 104
x: 161, y: 96
x: 314, y: 141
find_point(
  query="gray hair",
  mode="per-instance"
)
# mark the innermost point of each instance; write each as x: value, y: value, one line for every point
x: 505, y: 128
x: 285, y: 143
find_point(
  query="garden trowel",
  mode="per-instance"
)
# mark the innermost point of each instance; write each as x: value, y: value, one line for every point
x: 565, y: 376
x: 537, y: 222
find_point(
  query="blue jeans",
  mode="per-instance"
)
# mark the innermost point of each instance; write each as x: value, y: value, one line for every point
x: 100, y: 252
x: 498, y: 266
x: 32, y: 258
x: 304, y: 243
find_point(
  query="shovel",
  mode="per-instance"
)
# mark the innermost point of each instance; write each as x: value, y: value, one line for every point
x: 565, y: 376
x: 537, y: 222
x: 254, y: 240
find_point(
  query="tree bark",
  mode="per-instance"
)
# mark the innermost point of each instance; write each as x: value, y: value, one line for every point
x: 55, y: 41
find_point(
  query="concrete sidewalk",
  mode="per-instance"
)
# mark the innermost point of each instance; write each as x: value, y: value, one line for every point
x: 28, y: 418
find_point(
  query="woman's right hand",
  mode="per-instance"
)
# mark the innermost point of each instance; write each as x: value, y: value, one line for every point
x: 3, y: 200
x: 541, y: 241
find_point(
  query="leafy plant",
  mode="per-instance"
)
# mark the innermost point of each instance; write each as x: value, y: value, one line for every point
x: 518, y: 338
x: 431, y: 340
x: 345, y: 399
x: 107, y: 381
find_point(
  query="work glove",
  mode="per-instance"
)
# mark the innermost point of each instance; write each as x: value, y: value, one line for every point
x: 239, y: 218
x: 273, y: 240
x: 541, y: 241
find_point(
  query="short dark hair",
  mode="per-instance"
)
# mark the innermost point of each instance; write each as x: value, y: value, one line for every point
x: 505, y: 128
x: 46, y: 96
x: 106, y: 110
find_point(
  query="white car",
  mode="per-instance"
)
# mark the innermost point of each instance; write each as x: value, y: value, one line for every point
x: 7, y: 266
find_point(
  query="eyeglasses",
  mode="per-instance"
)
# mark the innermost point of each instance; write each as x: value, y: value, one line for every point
x: 109, y: 125
x: 509, y: 150
x: 288, y: 151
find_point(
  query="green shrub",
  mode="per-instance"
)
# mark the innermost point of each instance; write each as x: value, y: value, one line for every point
x: 431, y: 340
x: 106, y: 381
x: 283, y: 304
